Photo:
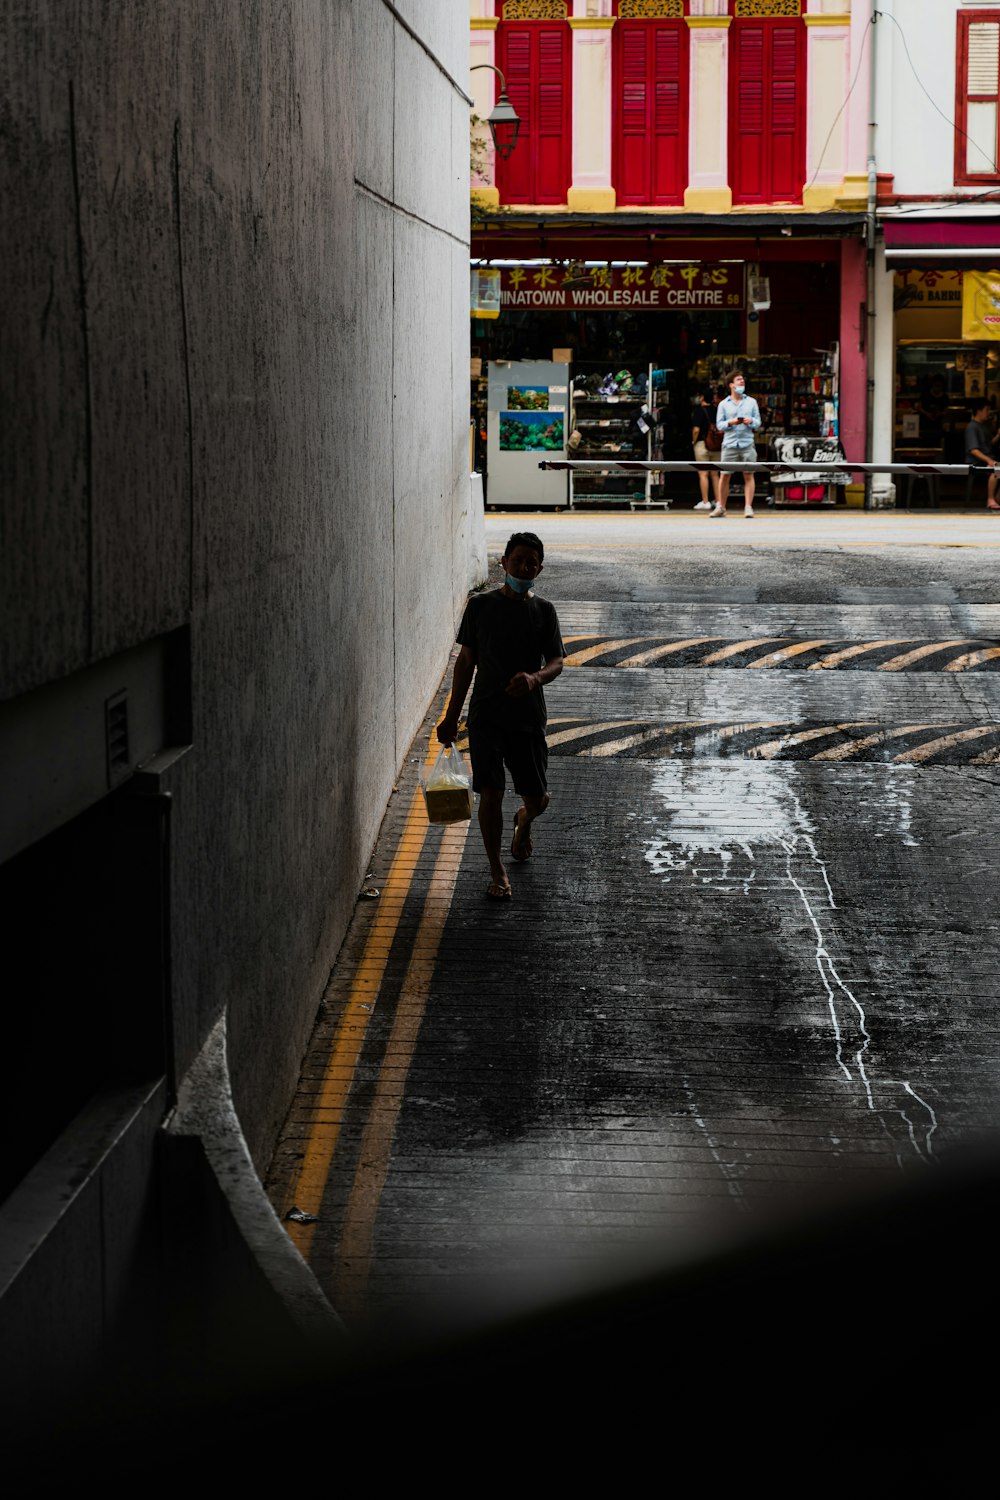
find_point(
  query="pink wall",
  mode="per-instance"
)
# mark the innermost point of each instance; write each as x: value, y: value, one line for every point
x: 853, y: 359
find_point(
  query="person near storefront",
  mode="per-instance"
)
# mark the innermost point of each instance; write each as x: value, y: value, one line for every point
x: 737, y: 418
x: 703, y: 421
x: 511, y: 643
x: 932, y: 406
x: 979, y: 450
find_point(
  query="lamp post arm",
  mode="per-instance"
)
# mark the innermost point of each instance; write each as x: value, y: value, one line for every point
x: 503, y: 85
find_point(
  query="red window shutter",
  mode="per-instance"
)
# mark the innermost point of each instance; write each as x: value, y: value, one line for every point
x: 554, y: 126
x: 977, y: 114
x: 786, y: 175
x: 650, y: 112
x: 747, y: 144
x: 534, y: 58
x: 515, y: 176
x: 766, y: 128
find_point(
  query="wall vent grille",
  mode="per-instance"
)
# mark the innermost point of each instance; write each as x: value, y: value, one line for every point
x: 116, y: 737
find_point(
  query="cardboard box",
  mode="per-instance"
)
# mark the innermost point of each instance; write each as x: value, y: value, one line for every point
x: 562, y: 356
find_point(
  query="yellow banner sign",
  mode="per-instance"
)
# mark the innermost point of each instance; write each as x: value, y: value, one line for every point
x: 981, y: 305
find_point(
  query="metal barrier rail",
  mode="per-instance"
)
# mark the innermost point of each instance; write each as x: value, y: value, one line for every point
x: 803, y: 466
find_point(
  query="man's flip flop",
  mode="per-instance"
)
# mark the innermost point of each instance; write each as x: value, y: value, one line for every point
x: 520, y: 849
x: 497, y: 892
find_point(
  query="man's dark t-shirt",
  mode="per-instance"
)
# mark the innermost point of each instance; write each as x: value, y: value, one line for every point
x: 976, y: 436
x: 507, y: 636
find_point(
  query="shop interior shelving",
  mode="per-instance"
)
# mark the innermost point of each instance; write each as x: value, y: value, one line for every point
x: 812, y: 388
x: 609, y: 428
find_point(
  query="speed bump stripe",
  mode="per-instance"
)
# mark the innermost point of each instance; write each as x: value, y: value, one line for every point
x: 658, y: 653
x: 736, y: 647
x: 843, y: 752
x: 946, y: 744
x: 780, y: 658
x: 773, y: 748
x: 897, y: 654
x: 921, y: 653
x: 973, y: 659
x: 586, y: 654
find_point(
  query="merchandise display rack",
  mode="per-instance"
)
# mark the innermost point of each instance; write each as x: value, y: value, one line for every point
x: 609, y: 423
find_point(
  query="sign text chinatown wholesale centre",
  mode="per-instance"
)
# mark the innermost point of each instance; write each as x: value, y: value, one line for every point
x: 667, y: 286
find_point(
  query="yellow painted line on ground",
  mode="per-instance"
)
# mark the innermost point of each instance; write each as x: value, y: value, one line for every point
x: 836, y: 657
x: 771, y: 748
x: 735, y: 647
x: 578, y: 658
x: 931, y: 747
x: 897, y: 663
x: 309, y: 1183
x: 657, y: 653
x: 973, y: 659
x: 787, y: 652
x: 355, y: 1249
x: 844, y: 752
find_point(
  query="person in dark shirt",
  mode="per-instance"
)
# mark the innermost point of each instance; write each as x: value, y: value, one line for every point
x: 979, y: 450
x: 932, y: 407
x: 702, y: 422
x: 512, y: 646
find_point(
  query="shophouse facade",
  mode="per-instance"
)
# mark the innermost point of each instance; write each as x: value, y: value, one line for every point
x: 936, y: 255
x: 689, y: 188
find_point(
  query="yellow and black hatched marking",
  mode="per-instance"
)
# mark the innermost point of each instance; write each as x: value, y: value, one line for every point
x: 955, y: 744
x: 900, y: 654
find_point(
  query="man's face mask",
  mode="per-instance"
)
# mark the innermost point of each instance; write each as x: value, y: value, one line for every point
x: 739, y: 388
x: 519, y: 585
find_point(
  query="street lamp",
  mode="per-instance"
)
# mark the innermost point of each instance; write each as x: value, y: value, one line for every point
x: 503, y: 121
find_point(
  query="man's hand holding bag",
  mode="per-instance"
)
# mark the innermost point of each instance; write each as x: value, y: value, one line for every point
x: 448, y: 787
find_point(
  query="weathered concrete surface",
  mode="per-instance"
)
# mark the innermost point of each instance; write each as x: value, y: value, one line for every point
x: 235, y: 248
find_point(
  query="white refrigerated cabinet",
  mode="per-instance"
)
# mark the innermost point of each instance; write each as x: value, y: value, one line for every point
x: 513, y: 475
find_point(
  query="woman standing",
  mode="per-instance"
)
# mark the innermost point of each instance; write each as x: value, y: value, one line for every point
x: 703, y: 422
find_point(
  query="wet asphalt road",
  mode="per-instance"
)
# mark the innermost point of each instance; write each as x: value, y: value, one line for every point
x: 749, y: 975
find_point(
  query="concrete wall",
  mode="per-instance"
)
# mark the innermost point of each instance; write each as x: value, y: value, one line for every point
x: 234, y: 387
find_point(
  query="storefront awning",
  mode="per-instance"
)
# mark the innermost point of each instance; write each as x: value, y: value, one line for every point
x: 942, y: 238
x: 687, y: 226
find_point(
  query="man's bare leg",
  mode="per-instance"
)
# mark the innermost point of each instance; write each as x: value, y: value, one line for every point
x: 530, y: 809
x: 723, y: 491
x: 491, y: 828
x: 749, y: 489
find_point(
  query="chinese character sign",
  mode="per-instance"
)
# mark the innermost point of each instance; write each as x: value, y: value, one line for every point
x: 668, y: 286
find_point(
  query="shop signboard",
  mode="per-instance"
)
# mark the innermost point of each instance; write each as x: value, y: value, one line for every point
x: 928, y: 291
x: 667, y: 286
x: 981, y: 305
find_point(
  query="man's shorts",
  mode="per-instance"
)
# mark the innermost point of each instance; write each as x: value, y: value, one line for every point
x: 738, y: 453
x: 526, y: 756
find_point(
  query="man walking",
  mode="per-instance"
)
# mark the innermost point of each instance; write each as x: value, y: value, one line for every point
x: 511, y: 643
x: 979, y: 450
x: 737, y: 418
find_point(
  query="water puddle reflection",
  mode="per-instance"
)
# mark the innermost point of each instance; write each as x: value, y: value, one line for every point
x: 741, y: 824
